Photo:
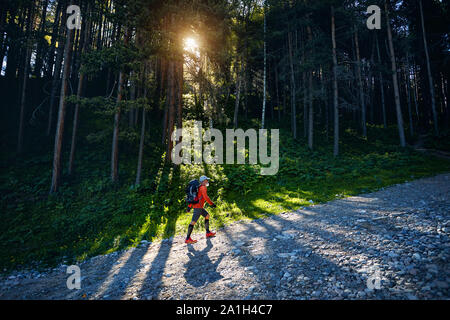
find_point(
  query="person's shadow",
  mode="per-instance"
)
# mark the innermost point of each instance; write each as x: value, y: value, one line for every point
x: 200, y: 270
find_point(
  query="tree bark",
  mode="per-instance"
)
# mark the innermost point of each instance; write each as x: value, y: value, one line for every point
x: 165, y: 121
x: 265, y: 76
x: 277, y: 92
x: 408, y: 95
x: 57, y: 74
x: 171, y: 111
x: 401, y: 131
x: 132, y: 111
x: 3, y: 40
x: 141, y: 143
x: 416, y: 93
x: 115, y: 141
x: 430, y: 77
x: 25, y: 79
x: 335, y: 86
x: 245, y: 83
x: 362, y: 99
x: 13, y: 48
x: 180, y: 94
x: 383, y: 101
x: 80, y: 89
x: 238, y: 97
x: 61, y: 114
x: 39, y: 56
x: 305, y: 104
x: 310, y: 100
x: 55, y: 35
x: 293, y: 109
x: 444, y: 100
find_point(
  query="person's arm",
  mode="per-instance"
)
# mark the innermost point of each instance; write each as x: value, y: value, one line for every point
x: 204, y: 193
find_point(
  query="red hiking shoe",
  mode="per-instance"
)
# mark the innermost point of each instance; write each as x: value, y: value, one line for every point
x: 210, y: 234
x: 190, y: 241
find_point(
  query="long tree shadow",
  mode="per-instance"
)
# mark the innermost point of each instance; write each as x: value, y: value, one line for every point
x: 151, y: 283
x: 117, y: 280
x: 309, y: 263
x: 200, y: 270
x: 119, y: 275
x: 359, y: 214
x: 111, y: 282
x: 317, y: 227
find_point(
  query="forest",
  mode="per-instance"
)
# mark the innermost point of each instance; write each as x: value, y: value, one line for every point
x: 87, y: 112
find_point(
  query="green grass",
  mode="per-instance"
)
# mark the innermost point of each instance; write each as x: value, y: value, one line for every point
x: 91, y: 216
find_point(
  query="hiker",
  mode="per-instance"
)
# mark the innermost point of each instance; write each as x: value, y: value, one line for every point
x: 198, y: 204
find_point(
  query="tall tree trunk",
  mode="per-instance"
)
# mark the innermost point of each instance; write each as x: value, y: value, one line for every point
x: 271, y: 101
x: 310, y: 111
x: 265, y: 77
x: 141, y: 143
x: 165, y: 121
x: 362, y: 99
x: 164, y: 87
x: 310, y: 100
x: 171, y: 109
x: 323, y: 98
x: 82, y: 35
x: 383, y: 101
x: 25, y: 78
x: 60, y: 9
x: 13, y: 48
x: 131, y: 112
x: 245, y: 83
x: 354, y: 88
x: 430, y: 77
x: 39, y: 56
x: 335, y: 86
x: 444, y: 100
x: 305, y: 104
x: 100, y: 28
x: 57, y: 74
x: 293, y: 111
x: 416, y: 92
x: 180, y: 94
x: 408, y: 95
x: 371, y: 86
x: 277, y: 92
x: 81, y: 80
x: 3, y: 39
x: 401, y: 131
x: 115, y: 141
x: 162, y: 82
x: 238, y: 97
x: 61, y: 114
x: 75, y: 51
x: 305, y: 95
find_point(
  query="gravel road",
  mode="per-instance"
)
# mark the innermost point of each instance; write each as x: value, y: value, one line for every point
x: 390, y: 244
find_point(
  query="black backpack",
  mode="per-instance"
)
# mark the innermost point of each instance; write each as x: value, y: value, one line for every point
x: 192, y: 191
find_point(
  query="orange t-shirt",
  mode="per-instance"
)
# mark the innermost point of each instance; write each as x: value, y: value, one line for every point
x: 202, y: 196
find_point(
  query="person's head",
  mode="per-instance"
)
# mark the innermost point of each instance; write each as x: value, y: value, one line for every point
x: 204, y: 181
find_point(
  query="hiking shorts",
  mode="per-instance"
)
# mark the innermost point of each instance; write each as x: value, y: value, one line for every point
x: 197, y: 213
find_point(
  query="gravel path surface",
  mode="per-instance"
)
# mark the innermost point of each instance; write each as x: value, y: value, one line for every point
x: 390, y: 244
